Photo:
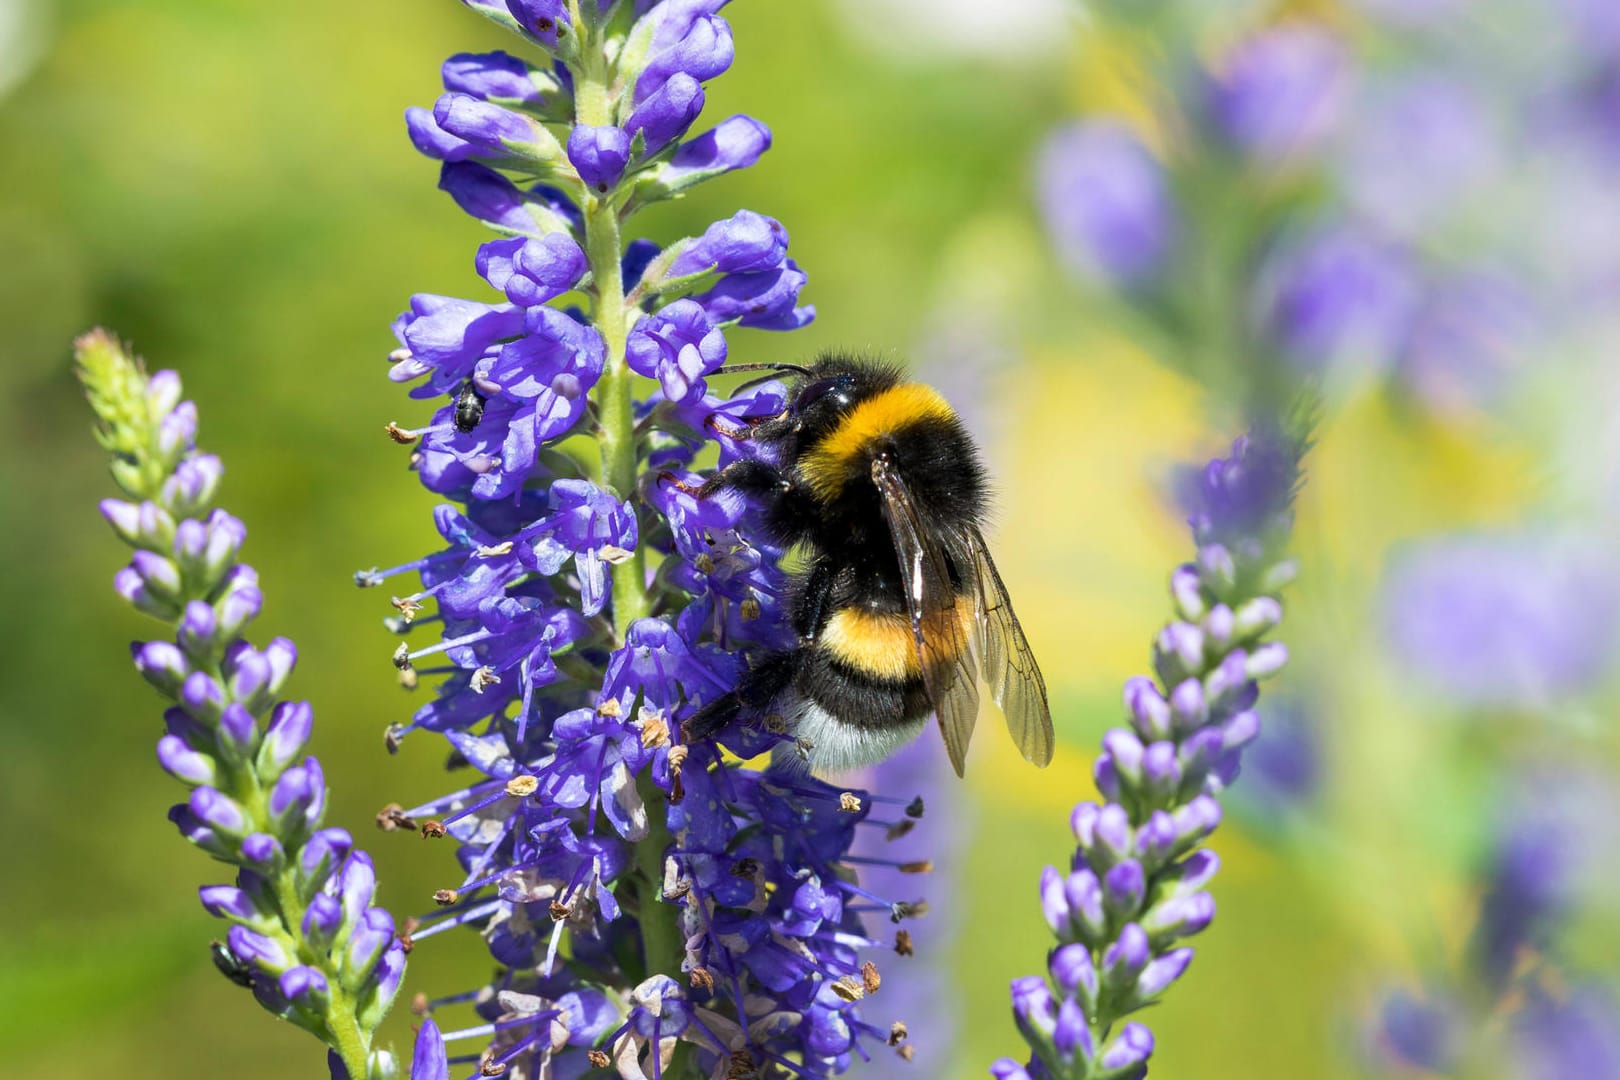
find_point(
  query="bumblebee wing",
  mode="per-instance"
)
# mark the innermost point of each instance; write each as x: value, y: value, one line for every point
x: 931, y: 599
x: 1006, y: 660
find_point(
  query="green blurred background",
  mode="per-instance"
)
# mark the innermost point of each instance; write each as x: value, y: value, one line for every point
x: 228, y: 184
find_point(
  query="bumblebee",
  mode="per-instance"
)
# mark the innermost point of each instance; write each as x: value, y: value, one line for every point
x: 898, y: 607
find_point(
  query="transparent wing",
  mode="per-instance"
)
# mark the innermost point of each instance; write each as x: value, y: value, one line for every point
x: 1006, y: 660
x: 937, y: 615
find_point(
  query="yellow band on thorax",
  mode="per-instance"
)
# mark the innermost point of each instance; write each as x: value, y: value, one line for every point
x: 828, y: 464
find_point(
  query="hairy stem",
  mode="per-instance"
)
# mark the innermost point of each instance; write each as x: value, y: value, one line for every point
x: 663, y: 945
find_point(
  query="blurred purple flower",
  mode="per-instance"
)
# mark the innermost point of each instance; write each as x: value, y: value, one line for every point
x: 1421, y: 144
x: 1507, y: 621
x: 1470, y: 337
x: 1106, y: 202
x: 1576, y: 1034
x: 1335, y: 294
x: 1279, y: 94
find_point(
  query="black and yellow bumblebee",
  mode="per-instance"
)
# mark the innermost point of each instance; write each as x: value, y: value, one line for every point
x: 898, y: 607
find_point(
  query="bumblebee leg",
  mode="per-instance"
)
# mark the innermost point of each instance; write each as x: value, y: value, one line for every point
x: 747, y: 475
x: 758, y: 688
x: 811, y: 605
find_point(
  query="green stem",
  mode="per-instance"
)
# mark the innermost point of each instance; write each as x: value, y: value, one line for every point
x: 663, y: 945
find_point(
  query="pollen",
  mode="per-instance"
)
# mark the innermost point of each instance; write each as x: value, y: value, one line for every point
x: 521, y: 787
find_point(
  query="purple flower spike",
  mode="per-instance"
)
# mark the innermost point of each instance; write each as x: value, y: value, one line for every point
x: 1138, y: 881
x: 221, y: 684
x: 1107, y: 203
x: 599, y: 154
x: 573, y: 625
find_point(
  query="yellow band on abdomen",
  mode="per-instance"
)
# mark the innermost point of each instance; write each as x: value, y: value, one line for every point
x: 880, y: 644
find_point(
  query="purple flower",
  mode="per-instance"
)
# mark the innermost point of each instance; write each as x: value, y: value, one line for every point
x: 1510, y: 621
x: 1425, y: 144
x: 1469, y: 339
x: 687, y: 39
x: 1136, y: 883
x: 496, y: 76
x: 1574, y: 1035
x: 491, y: 198
x: 250, y: 805
x: 1106, y: 203
x: 599, y: 154
x: 765, y: 301
x: 677, y: 346
x: 1279, y: 93
x: 665, y: 115
x: 1335, y: 294
x: 744, y: 243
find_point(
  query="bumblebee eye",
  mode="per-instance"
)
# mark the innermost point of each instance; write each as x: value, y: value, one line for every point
x: 837, y: 387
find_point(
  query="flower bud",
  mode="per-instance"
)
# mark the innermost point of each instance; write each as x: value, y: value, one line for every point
x: 428, y: 1060
x: 263, y: 853
x: 490, y: 197
x: 129, y: 585
x: 229, y: 902
x: 284, y: 738
x: 161, y: 664
x: 1033, y: 1009
x: 736, y: 143
x: 598, y: 154
x: 368, y: 940
x: 1123, y: 889
x: 239, y: 602
x: 1073, y: 969
x: 384, y: 985
x: 1188, y: 592
x: 189, y: 491
x: 322, y: 921
x: 1071, y: 1036
x: 163, y: 392
x: 1125, y: 960
x: 238, y: 734
x: 321, y: 855
x: 259, y: 950
x: 666, y: 114
x: 202, y: 697
x: 161, y: 577
x: 356, y: 886
x: 219, y: 812
x: 498, y: 77
x: 306, y: 988
x: 1126, y: 1051
x: 1150, y: 712
x: 185, y: 764
x: 195, y: 830
x: 297, y: 801
x: 1179, y: 916
x: 195, y: 634
x: 494, y: 134
x: 177, y: 431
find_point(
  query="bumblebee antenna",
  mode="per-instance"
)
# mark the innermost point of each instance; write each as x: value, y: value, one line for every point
x: 735, y: 369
